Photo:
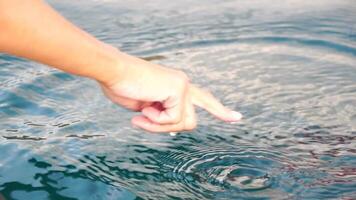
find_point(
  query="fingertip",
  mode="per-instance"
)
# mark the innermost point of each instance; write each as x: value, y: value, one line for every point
x: 236, y: 115
x: 139, y: 121
x: 173, y: 133
x: 208, y: 102
x: 232, y: 116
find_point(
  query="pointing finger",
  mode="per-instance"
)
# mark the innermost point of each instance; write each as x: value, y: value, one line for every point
x: 208, y: 102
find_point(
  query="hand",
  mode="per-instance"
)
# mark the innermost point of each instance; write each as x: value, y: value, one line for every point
x: 164, y: 97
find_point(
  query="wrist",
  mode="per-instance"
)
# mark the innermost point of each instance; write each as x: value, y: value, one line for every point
x: 112, y: 69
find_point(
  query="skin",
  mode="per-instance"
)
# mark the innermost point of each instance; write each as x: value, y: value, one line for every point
x: 164, y: 97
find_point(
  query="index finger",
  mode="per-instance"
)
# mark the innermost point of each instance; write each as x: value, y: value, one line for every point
x: 208, y: 102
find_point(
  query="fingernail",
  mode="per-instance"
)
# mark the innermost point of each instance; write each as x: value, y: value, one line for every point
x: 173, y: 133
x: 236, y: 115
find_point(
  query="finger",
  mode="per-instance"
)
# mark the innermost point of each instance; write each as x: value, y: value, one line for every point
x: 208, y: 102
x: 158, y: 106
x: 126, y: 102
x: 190, y: 119
x: 188, y: 123
x: 130, y: 103
x: 146, y: 124
x: 170, y: 114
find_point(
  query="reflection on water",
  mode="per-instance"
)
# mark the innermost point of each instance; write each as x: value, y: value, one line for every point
x: 289, y: 67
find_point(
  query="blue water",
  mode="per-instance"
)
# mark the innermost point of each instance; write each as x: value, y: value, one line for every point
x: 288, y: 66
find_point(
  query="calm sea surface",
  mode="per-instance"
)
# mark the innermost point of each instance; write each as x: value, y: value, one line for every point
x: 288, y: 66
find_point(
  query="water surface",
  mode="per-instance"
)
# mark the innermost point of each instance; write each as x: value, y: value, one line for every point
x: 289, y: 67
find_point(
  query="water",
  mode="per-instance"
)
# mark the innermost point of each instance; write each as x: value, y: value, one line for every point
x: 290, y: 68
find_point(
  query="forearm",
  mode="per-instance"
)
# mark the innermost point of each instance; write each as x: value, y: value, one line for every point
x: 33, y: 30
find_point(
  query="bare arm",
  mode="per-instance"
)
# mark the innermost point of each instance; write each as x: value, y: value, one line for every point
x: 165, y: 98
x: 33, y: 30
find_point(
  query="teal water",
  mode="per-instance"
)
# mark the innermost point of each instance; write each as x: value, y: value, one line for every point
x: 289, y: 67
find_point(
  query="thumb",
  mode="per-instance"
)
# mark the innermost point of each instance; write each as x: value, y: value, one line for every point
x: 171, y: 111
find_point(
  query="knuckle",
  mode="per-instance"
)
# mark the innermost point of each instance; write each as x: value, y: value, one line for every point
x: 178, y: 127
x: 190, y: 125
x: 182, y: 75
x: 183, y: 79
x: 176, y: 118
x: 208, y: 93
x: 173, y: 129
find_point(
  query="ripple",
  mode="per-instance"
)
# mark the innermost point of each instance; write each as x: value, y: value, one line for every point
x: 288, y: 67
x: 341, y: 48
x: 25, y: 137
x: 246, y: 170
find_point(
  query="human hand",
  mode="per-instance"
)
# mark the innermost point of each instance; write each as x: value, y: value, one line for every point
x: 164, y: 97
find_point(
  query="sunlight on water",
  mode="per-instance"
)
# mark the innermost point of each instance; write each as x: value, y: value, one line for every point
x: 289, y: 67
